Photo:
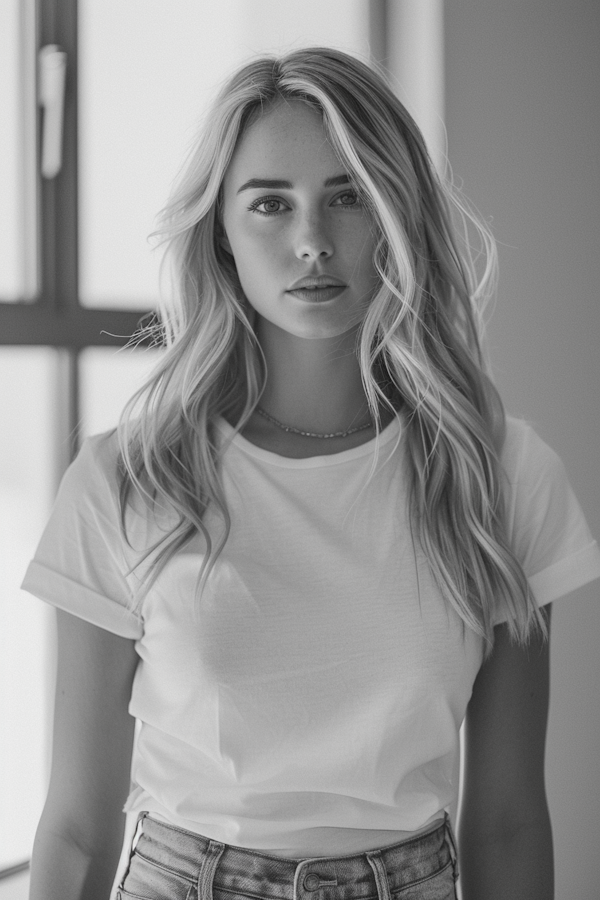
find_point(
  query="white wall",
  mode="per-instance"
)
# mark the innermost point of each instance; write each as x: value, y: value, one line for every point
x: 147, y: 70
x: 522, y: 115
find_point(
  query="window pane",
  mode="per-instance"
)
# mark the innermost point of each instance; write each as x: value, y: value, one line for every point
x: 18, y: 265
x: 108, y: 379
x: 27, y: 480
x: 147, y: 69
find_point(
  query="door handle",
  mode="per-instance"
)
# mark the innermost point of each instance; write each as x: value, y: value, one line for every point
x: 52, y: 79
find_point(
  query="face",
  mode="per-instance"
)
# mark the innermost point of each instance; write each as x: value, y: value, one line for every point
x: 308, y: 223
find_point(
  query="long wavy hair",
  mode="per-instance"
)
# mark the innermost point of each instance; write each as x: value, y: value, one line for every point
x: 419, y: 347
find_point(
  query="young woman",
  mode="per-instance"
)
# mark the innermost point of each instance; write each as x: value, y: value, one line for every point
x: 314, y: 544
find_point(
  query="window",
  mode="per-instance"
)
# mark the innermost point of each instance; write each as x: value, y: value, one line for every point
x: 77, y: 271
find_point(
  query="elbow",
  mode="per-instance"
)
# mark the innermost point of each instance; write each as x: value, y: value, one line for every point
x: 509, y: 860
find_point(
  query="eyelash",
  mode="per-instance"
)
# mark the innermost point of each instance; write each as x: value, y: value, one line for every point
x: 254, y: 206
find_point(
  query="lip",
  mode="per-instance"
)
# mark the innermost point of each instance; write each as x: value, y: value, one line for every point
x: 316, y: 281
x: 318, y: 295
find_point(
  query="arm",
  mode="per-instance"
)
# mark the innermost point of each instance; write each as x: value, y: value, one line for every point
x: 505, y: 835
x: 78, y: 840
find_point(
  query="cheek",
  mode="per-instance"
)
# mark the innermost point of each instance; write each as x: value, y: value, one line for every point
x: 255, y: 249
x: 357, y: 239
x: 258, y: 264
x: 362, y: 253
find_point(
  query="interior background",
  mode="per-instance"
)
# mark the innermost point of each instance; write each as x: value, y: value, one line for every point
x: 516, y: 86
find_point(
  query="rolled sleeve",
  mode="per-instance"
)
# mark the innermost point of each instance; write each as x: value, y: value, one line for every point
x: 546, y: 524
x: 80, y: 564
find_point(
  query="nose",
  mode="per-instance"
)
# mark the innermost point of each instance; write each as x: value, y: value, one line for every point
x: 312, y: 239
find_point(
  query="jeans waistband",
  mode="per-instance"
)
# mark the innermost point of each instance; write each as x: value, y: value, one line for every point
x: 250, y: 872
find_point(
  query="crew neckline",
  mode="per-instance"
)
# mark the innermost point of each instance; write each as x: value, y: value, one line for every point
x: 309, y: 462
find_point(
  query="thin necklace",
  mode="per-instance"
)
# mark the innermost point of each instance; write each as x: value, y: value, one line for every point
x: 312, y: 433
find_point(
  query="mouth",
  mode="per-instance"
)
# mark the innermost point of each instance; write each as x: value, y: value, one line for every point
x: 318, y: 294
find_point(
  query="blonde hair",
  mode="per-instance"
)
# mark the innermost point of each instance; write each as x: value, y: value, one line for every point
x: 420, y: 345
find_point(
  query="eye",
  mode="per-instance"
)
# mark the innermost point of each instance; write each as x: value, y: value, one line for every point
x: 272, y: 206
x: 350, y: 200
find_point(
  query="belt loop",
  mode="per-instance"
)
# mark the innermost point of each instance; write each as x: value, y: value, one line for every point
x: 139, y: 827
x: 381, y: 879
x: 207, y: 872
x: 137, y: 833
x: 451, y: 844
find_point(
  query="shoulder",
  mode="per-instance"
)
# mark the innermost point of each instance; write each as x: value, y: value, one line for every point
x: 535, y: 475
x: 524, y: 450
x: 92, y: 486
x: 93, y: 474
x: 82, y: 560
x: 545, y: 523
x: 97, y: 456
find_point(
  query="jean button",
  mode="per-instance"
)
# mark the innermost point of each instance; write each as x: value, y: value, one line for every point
x: 312, y: 882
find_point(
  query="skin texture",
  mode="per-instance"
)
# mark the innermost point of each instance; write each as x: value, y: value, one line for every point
x: 505, y: 835
x: 308, y: 229
x: 79, y: 836
x: 279, y: 235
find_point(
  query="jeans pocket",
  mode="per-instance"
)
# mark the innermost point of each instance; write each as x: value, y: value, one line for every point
x: 125, y: 895
x: 146, y: 880
x: 439, y: 886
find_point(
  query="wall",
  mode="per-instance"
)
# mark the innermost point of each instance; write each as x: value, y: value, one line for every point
x: 522, y: 115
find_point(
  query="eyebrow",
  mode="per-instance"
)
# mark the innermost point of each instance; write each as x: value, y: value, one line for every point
x: 275, y: 183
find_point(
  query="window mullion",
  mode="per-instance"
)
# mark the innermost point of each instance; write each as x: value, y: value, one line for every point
x: 59, y: 238
x: 67, y: 417
x: 378, y: 31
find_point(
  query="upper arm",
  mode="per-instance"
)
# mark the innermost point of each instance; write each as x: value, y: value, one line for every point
x: 505, y: 737
x: 93, y: 733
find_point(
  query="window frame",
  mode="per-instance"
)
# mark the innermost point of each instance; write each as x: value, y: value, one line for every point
x: 55, y: 317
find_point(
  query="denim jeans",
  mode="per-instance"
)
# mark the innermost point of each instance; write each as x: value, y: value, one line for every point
x: 169, y: 863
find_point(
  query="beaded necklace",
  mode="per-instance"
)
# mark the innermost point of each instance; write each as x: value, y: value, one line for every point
x: 312, y: 434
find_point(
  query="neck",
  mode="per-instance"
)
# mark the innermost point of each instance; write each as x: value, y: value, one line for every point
x: 315, y: 384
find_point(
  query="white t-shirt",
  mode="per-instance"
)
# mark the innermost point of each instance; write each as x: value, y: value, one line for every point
x: 313, y: 706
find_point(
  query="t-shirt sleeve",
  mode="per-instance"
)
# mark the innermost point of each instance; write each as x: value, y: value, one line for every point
x: 547, y: 527
x: 80, y: 564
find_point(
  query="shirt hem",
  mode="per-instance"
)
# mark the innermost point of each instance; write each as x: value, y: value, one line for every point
x: 81, y: 601
x: 566, y: 575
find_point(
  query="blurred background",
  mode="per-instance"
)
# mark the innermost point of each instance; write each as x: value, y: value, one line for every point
x: 509, y: 90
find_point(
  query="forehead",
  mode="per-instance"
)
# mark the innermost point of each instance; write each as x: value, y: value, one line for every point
x: 287, y: 139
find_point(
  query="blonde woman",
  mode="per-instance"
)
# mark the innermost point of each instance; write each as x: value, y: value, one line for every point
x: 315, y: 543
